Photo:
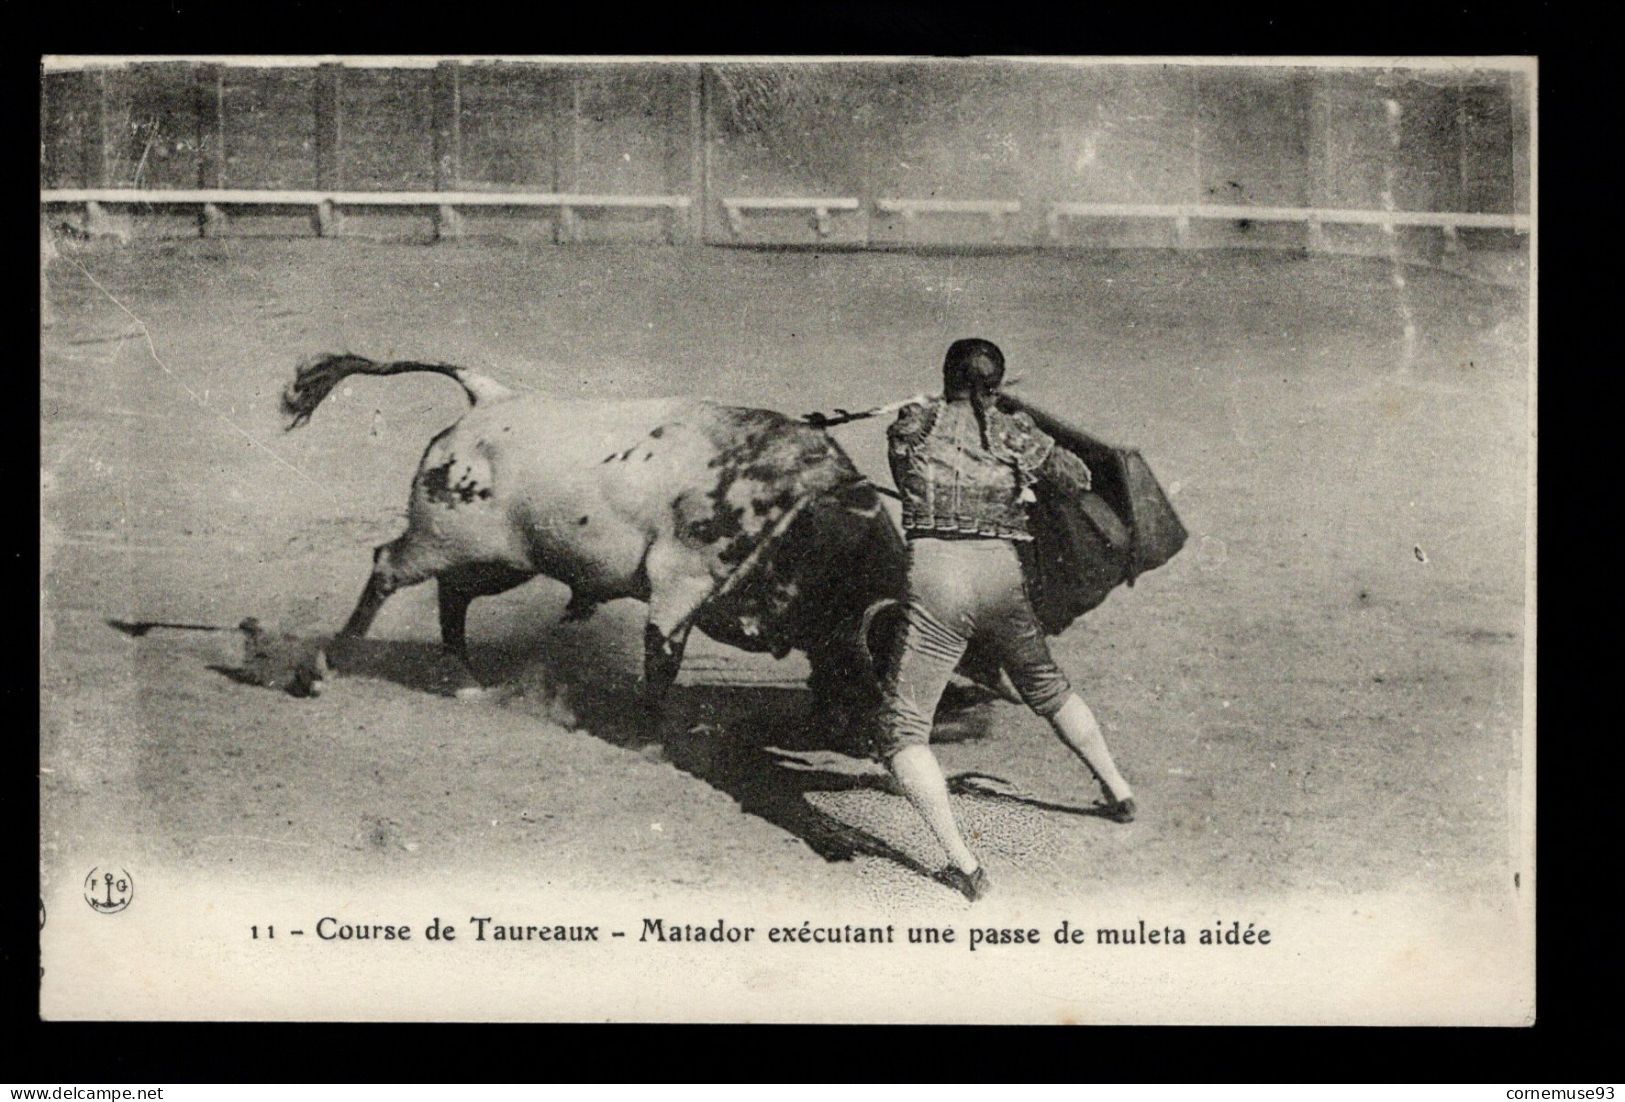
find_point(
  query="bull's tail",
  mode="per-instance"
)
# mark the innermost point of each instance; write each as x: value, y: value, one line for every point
x: 316, y: 379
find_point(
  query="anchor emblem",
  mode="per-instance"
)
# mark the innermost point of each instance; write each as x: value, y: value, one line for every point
x: 108, y: 892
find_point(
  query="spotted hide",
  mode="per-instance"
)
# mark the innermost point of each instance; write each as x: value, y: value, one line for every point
x: 754, y: 527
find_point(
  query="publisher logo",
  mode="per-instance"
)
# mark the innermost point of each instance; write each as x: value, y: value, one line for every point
x: 108, y: 889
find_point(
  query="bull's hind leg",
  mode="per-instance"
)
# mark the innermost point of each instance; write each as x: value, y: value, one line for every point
x: 458, y: 588
x: 366, y: 609
x: 395, y: 565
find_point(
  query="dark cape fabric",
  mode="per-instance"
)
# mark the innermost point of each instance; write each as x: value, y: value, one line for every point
x: 1087, y: 544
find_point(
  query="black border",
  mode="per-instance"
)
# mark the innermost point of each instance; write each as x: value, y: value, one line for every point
x: 818, y: 27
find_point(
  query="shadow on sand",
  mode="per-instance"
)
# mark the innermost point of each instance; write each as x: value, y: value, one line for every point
x: 747, y: 741
x: 750, y: 742
x: 983, y: 785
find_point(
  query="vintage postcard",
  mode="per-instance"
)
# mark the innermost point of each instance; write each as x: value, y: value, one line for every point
x: 726, y: 539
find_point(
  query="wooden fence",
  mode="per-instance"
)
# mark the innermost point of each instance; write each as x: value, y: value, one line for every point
x: 373, y: 145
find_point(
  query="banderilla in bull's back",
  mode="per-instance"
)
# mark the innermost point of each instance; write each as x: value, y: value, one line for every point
x: 1085, y: 543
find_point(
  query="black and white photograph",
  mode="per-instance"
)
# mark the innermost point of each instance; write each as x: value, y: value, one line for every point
x: 788, y: 539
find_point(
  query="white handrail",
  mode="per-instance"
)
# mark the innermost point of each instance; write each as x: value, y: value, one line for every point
x: 948, y: 206
x: 776, y: 202
x: 1331, y: 215
x: 246, y: 197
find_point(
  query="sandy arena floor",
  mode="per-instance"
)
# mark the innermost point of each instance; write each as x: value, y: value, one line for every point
x: 1322, y: 692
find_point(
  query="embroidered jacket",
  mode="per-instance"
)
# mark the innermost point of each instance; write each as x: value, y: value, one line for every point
x: 951, y: 483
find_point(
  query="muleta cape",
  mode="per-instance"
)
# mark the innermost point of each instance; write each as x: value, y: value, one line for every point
x: 1085, y: 544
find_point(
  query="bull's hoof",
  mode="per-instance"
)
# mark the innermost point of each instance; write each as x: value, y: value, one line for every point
x: 307, y: 678
x: 578, y: 610
x: 304, y: 684
x: 455, y: 678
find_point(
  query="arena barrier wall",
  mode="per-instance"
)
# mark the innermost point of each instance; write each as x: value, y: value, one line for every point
x: 991, y: 154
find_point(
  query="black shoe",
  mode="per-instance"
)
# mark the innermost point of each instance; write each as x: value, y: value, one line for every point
x: 972, y: 885
x: 1120, y: 811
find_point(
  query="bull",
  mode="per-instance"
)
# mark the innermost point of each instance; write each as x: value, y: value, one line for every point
x: 753, y: 527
